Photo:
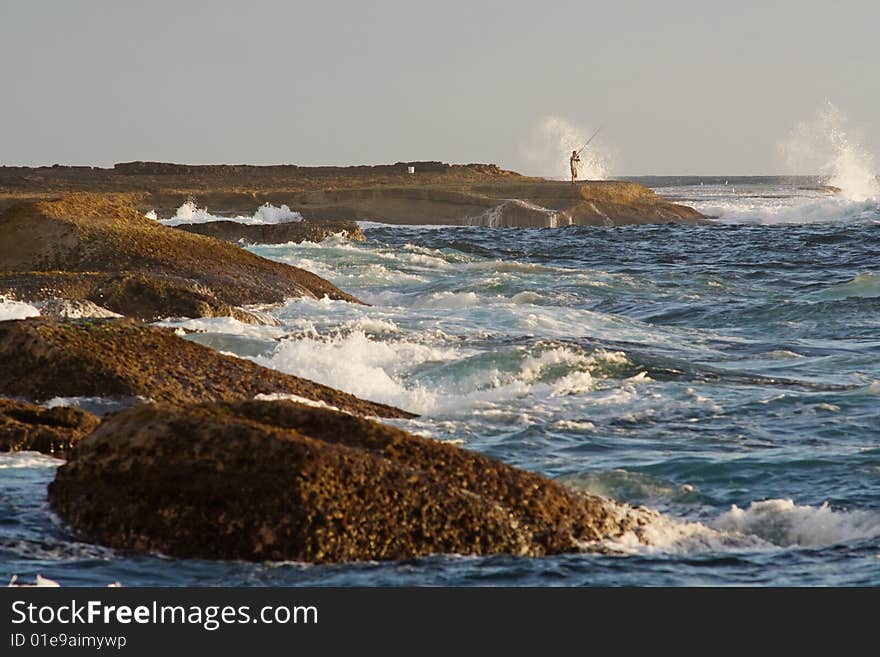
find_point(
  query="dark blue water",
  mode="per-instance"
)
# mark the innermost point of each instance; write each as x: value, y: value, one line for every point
x: 727, y: 376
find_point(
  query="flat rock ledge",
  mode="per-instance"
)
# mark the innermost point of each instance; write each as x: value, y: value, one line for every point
x: 277, y: 480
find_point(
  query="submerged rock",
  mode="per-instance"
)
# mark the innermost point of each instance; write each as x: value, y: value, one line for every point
x: 52, y: 431
x: 283, y: 481
x: 282, y: 233
x: 106, y: 252
x: 41, y: 359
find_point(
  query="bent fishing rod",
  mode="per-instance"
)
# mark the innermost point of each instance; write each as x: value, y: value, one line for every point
x: 590, y: 139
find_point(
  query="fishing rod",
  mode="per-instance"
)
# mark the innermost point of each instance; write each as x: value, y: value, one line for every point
x: 590, y: 139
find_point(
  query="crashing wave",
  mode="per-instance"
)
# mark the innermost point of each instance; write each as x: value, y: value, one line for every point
x: 190, y: 213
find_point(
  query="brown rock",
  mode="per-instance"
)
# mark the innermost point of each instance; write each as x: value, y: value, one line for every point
x: 293, y: 231
x: 136, y: 266
x: 52, y: 431
x: 41, y: 359
x: 283, y: 481
x: 437, y: 193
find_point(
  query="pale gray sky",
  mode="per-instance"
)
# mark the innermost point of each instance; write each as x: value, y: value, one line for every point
x: 681, y: 87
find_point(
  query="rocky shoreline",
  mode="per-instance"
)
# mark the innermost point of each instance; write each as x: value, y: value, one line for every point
x: 217, y: 457
x: 436, y: 193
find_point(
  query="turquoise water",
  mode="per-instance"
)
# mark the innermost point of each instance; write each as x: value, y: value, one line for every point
x: 727, y: 376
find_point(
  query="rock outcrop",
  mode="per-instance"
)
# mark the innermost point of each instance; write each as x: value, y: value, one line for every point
x: 52, y: 431
x: 292, y: 231
x: 86, y: 247
x: 284, y: 481
x: 41, y: 359
x: 436, y: 193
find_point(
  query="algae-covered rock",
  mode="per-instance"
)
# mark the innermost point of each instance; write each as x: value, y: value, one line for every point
x: 41, y: 359
x: 281, y: 233
x: 52, y: 431
x: 141, y: 268
x: 284, y: 481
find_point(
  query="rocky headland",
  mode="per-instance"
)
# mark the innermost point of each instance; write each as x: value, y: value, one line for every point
x: 218, y: 457
x: 436, y: 193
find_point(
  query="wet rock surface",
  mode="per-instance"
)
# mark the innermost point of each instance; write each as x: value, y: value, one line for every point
x: 282, y: 233
x: 278, y: 480
x: 52, y: 431
x: 89, y: 248
x: 41, y: 359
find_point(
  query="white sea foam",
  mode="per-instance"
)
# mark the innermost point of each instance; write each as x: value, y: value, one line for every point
x: 764, y: 525
x: 784, y: 523
x: 190, y: 213
x: 373, y: 360
x: 282, y: 396
x: 10, y: 309
x: 14, y: 460
x: 358, y: 364
x: 39, y: 581
x: 790, y: 210
x: 865, y: 285
x: 448, y: 300
x: 824, y: 144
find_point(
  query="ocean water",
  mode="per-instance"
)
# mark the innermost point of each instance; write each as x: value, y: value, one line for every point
x: 726, y: 375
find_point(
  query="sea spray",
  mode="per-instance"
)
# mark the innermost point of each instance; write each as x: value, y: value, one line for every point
x: 825, y: 144
x: 190, y: 213
x: 11, y: 309
x: 550, y: 143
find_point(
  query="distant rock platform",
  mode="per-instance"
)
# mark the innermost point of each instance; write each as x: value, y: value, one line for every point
x: 435, y: 193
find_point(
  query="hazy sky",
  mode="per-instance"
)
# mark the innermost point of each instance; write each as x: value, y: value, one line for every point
x: 681, y: 87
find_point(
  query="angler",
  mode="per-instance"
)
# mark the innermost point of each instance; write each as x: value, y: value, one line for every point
x: 576, y: 157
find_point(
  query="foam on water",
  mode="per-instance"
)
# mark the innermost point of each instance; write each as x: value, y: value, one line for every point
x: 807, y: 209
x: 358, y: 364
x: 373, y: 360
x: 823, y: 144
x: 190, y: 213
x: 10, y: 309
x: 866, y: 286
x: 765, y: 525
x: 784, y: 523
x: 14, y: 460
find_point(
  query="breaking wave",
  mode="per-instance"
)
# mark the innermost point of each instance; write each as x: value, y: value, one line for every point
x: 190, y: 213
x: 806, y: 210
x: 765, y: 525
x: 438, y: 379
x: 10, y: 309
